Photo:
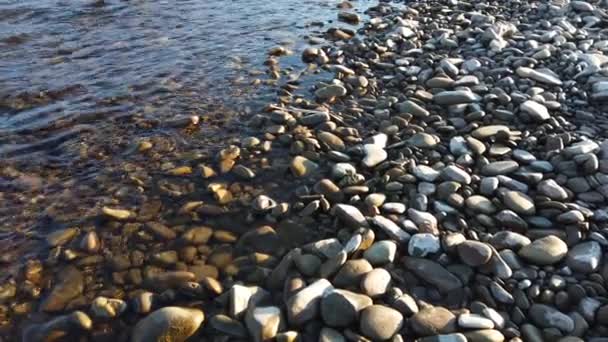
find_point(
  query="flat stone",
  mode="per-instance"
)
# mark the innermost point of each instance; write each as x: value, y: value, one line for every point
x: 380, y: 322
x: 519, y: 203
x: 170, y: 323
x: 538, y: 76
x: 544, y: 251
x: 433, y: 273
x: 330, y: 91
x: 411, y: 107
x: 484, y: 335
x: 390, y: 228
x: 433, y: 321
x: 545, y: 316
x: 473, y: 321
x: 485, y: 132
x: 499, y: 168
x: 453, y: 97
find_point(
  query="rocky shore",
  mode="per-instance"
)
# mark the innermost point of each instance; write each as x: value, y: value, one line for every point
x: 448, y: 181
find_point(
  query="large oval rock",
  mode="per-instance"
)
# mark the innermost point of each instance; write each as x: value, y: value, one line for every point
x: 304, y: 305
x: 544, y: 251
x: 170, y: 323
x: 433, y: 273
x: 379, y: 322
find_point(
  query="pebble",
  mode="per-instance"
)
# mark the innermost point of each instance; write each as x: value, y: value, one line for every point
x: 584, y: 257
x: 376, y: 282
x: 433, y: 273
x: 340, y: 308
x: 423, y: 244
x: 474, y: 253
x: 264, y: 323
x: 304, y: 305
x: 379, y: 322
x: 544, y: 251
x: 381, y: 252
x: 170, y: 323
x: 433, y: 321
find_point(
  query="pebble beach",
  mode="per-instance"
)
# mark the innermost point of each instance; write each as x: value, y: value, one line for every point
x: 439, y: 173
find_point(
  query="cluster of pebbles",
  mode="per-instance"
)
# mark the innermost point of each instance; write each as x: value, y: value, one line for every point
x: 449, y: 183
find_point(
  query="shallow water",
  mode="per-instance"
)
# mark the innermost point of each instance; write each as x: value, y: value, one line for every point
x: 68, y: 63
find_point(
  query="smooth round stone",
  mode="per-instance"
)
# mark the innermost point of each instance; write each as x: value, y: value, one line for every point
x: 425, y: 173
x: 423, y: 140
x: 499, y: 168
x: 381, y: 252
x: 433, y: 321
x: 519, y: 203
x: 340, y: 308
x: 544, y: 251
x: 488, y: 185
x: 330, y: 91
x: 264, y: 323
x: 453, y: 97
x: 423, y: 244
x: 473, y: 321
x: 380, y: 322
x: 376, y: 282
x: 456, y: 174
x: 546, y: 316
x: 571, y: 217
x: 308, y: 264
x: 333, y: 141
x: 584, y: 257
x: 485, y: 335
x: 459, y: 146
x: 489, y: 131
x: 523, y: 156
x: 351, y: 272
x: 340, y: 170
x: 535, y: 110
x: 375, y: 199
x: 302, y: 167
x: 551, y: 189
x: 509, y: 240
x: 474, y: 253
x: 480, y: 204
x: 170, y: 323
x: 394, y: 208
x: 511, y: 220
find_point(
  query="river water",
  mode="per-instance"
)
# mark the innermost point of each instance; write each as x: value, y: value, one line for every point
x: 82, y: 81
x: 72, y: 62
